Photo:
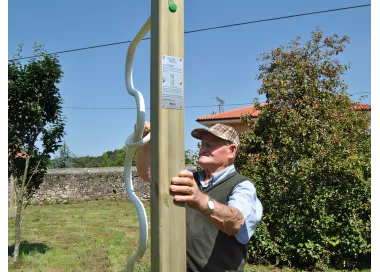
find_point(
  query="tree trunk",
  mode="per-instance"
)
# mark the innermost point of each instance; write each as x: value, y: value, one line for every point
x: 18, y: 221
x: 18, y: 224
x: 12, y: 199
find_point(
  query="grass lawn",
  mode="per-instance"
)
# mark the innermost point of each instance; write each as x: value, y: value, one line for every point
x: 94, y: 236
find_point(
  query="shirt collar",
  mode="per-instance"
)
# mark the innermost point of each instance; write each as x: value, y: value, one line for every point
x: 216, y: 177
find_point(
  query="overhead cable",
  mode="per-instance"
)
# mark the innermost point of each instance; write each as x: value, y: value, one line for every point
x: 207, y: 29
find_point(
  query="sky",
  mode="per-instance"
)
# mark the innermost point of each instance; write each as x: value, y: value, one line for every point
x: 218, y: 63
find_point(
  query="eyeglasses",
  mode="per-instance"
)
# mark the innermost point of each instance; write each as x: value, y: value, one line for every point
x: 213, y: 145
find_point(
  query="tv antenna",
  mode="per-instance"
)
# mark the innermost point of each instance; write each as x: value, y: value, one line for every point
x: 220, y: 104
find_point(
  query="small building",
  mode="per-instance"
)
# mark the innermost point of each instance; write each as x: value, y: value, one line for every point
x: 232, y: 117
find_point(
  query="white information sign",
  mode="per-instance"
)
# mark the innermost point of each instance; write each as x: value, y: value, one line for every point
x: 172, y: 82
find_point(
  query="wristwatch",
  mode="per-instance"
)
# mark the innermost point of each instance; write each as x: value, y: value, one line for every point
x: 210, y: 206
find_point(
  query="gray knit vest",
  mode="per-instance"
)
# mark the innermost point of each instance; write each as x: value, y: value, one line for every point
x: 209, y: 249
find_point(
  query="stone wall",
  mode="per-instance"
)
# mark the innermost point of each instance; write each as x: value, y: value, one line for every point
x: 81, y: 184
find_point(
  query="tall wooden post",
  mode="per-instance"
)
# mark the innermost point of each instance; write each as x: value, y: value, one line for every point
x: 168, y: 219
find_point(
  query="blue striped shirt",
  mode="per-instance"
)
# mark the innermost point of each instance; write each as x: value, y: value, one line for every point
x: 244, y: 199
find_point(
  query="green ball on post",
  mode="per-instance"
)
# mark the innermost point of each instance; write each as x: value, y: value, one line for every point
x: 172, y: 7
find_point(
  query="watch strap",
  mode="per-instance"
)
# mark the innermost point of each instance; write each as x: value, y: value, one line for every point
x: 209, y: 209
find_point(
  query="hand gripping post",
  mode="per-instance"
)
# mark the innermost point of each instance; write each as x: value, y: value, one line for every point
x: 134, y: 141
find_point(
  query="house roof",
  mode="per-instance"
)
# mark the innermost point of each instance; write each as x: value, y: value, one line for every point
x: 21, y: 154
x: 363, y: 107
x: 250, y: 110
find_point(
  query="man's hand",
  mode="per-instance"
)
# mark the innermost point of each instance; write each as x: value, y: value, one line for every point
x: 143, y: 157
x: 146, y: 128
x: 225, y: 218
x: 186, y: 190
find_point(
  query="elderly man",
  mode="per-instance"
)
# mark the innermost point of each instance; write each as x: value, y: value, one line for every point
x: 222, y: 208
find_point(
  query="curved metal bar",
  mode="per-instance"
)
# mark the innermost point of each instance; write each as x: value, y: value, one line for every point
x: 134, y: 141
x: 129, y: 81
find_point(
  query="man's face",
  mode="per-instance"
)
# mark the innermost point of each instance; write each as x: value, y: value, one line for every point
x: 215, y: 152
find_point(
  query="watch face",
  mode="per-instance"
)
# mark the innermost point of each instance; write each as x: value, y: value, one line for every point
x: 211, y: 204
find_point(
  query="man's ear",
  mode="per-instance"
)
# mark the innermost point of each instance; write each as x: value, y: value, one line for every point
x: 233, y: 150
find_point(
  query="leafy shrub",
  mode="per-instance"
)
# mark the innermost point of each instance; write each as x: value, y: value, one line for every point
x: 309, y: 156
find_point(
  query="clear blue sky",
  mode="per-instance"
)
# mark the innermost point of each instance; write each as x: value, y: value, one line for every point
x: 219, y: 63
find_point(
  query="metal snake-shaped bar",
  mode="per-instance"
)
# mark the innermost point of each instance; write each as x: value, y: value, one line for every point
x: 134, y: 141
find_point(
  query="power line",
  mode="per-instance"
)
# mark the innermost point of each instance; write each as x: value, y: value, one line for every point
x: 207, y: 29
x: 199, y: 106
x: 188, y: 107
x: 361, y: 93
x: 277, y: 18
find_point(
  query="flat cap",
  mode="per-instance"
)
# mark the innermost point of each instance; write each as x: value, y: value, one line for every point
x: 219, y: 130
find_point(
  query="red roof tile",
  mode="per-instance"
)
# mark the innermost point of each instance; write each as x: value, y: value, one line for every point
x: 232, y: 114
x: 21, y: 154
x: 363, y: 107
x: 237, y: 113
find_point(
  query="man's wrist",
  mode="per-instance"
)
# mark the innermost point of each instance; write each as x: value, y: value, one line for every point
x: 210, y: 204
x: 203, y: 203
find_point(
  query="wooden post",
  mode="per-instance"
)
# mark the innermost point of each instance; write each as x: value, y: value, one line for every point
x: 168, y: 219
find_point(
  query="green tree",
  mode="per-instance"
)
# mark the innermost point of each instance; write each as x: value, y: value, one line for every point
x: 86, y: 162
x: 309, y: 157
x: 191, y: 157
x: 34, y: 115
x: 64, y: 159
x: 115, y: 158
